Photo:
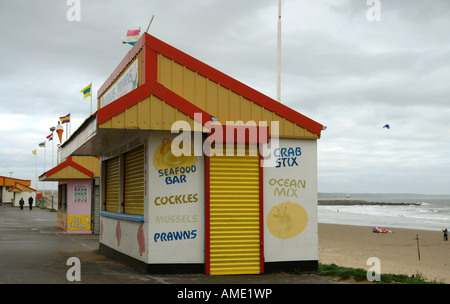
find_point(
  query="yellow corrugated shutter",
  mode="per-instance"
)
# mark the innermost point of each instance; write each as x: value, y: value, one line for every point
x: 112, y: 185
x: 134, y: 182
x: 234, y: 215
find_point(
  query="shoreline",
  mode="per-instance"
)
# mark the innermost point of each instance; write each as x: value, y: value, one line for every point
x: 352, y: 246
x: 385, y: 226
x: 361, y: 203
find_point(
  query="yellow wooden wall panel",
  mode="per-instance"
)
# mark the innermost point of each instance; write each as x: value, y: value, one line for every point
x: 177, y: 79
x: 189, y: 87
x: 131, y: 117
x: 246, y: 110
x: 144, y: 114
x: 298, y: 131
x: 155, y: 113
x: 165, y: 71
x: 212, y: 98
x: 169, y: 116
x: 118, y: 121
x: 106, y: 124
x: 288, y: 128
x: 224, y: 105
x: 276, y: 117
x: 235, y: 102
x: 201, y: 98
x: 256, y: 112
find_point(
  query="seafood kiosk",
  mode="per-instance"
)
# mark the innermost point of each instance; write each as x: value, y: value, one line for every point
x: 199, y: 172
x: 78, y: 193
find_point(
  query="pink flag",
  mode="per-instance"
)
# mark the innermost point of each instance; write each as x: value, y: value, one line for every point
x: 132, y: 32
x: 131, y: 38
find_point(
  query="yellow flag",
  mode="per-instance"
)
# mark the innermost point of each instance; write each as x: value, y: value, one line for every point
x: 87, y: 91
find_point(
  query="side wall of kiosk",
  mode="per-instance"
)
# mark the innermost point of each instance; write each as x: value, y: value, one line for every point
x: 290, y: 203
x: 74, y: 206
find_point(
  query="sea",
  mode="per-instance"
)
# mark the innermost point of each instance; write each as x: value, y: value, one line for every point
x: 421, y: 211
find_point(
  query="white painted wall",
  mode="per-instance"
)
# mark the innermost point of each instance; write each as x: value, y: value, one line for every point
x: 290, y: 190
x: 176, y: 204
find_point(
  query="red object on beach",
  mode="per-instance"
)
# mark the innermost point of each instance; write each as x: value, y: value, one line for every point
x: 379, y: 230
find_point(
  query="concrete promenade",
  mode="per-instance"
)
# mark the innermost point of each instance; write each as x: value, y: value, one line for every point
x: 33, y: 250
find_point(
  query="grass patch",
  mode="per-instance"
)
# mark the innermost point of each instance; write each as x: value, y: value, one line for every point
x: 360, y: 275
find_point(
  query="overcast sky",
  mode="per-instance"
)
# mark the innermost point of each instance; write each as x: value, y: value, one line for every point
x: 338, y: 68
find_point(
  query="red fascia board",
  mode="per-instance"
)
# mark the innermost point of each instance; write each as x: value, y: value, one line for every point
x: 69, y: 162
x: 146, y: 90
x: 233, y: 84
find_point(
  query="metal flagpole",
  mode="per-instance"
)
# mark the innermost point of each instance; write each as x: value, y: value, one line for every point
x: 43, y: 187
x: 52, y: 129
x: 35, y: 198
x: 91, y: 101
x: 279, y: 53
x: 148, y: 27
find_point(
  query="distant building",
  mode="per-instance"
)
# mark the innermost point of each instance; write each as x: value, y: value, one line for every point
x: 21, y: 191
x: 78, y: 193
x: 17, y: 186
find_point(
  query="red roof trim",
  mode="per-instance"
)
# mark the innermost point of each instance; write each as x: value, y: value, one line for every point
x: 69, y: 163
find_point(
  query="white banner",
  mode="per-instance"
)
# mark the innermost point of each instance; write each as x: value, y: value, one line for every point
x: 125, y: 84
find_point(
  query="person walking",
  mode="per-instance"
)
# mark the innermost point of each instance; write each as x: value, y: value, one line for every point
x: 21, y: 203
x: 445, y: 234
x: 30, y: 202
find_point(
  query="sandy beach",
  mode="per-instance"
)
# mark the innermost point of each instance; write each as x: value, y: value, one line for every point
x: 351, y: 246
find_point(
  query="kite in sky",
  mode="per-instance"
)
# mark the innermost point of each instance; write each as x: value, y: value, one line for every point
x: 386, y: 126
